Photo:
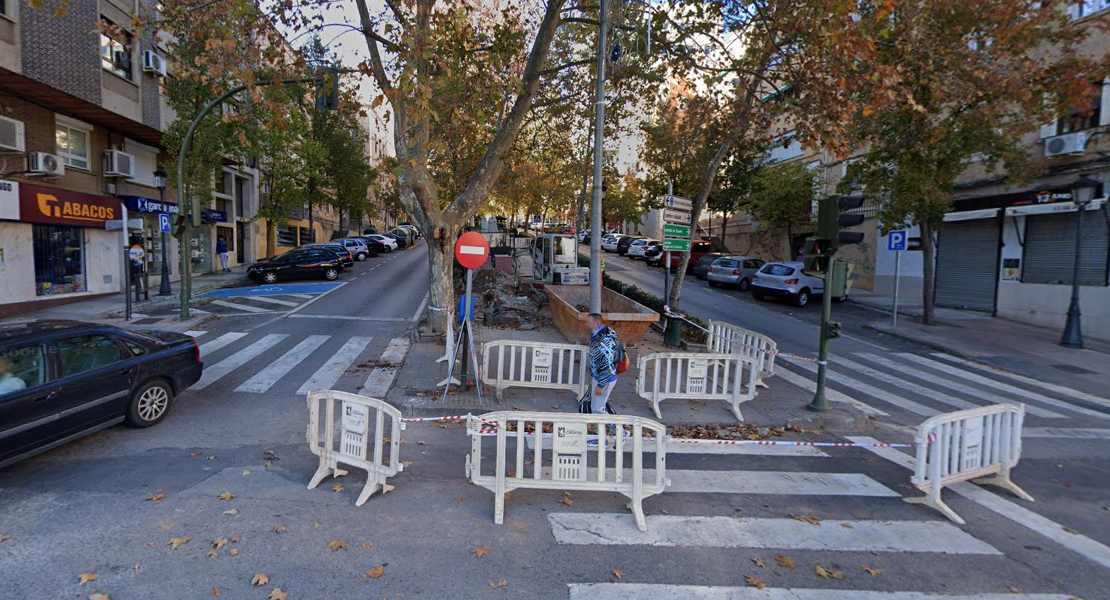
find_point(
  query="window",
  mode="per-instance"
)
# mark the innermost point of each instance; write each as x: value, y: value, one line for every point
x: 752, y: 263
x: 1082, y: 117
x: 5, y: 10
x: 86, y: 353
x: 59, y: 259
x: 115, y: 52
x: 135, y: 348
x: 21, y: 368
x: 1084, y: 8
x: 72, y: 144
x: 286, y: 236
x: 778, y: 270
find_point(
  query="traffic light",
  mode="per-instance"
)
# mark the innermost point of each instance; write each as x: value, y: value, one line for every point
x: 327, y: 89
x: 832, y: 216
x: 179, y: 225
x: 832, y: 330
x: 816, y: 257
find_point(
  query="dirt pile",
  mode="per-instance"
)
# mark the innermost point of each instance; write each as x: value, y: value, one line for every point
x: 499, y: 301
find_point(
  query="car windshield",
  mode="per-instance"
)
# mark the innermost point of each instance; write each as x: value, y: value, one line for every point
x: 779, y: 270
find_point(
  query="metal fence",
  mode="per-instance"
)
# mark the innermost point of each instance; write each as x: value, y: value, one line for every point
x: 686, y: 375
x: 726, y: 338
x: 512, y: 363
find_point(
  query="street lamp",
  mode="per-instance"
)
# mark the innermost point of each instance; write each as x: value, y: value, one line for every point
x: 1083, y: 191
x: 160, y: 183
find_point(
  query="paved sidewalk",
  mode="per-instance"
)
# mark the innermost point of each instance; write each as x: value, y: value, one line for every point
x: 110, y: 308
x: 416, y: 392
x: 1017, y: 347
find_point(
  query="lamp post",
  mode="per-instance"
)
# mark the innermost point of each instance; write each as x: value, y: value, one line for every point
x: 160, y: 183
x: 1083, y: 191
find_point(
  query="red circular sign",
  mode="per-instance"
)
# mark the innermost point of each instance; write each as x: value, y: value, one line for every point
x: 471, y: 250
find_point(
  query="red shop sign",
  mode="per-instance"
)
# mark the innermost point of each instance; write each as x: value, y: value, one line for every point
x: 53, y: 206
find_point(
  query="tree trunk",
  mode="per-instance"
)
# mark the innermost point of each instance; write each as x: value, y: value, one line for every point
x: 724, y: 229
x: 271, y: 237
x: 441, y: 264
x: 929, y: 279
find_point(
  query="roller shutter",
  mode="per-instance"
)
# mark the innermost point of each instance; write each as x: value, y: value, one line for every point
x: 1049, y: 255
x: 967, y: 265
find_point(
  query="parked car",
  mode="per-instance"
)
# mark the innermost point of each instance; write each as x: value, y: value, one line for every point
x: 373, y: 245
x: 733, y: 270
x: 625, y: 242
x: 583, y: 235
x: 299, y: 263
x: 609, y: 242
x: 401, y: 236
x: 388, y: 243
x: 653, y: 254
x: 346, y: 259
x: 61, y: 380
x: 701, y: 266
x: 637, y: 247
x: 356, y: 247
x: 413, y: 233
x: 786, y: 280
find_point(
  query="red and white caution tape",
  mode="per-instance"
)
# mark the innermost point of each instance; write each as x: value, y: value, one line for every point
x: 784, y: 443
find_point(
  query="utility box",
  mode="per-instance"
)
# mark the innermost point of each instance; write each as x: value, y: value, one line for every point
x: 839, y: 282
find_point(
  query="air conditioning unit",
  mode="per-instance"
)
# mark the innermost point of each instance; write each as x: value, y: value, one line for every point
x: 152, y: 63
x: 45, y: 164
x: 1069, y: 144
x: 11, y: 134
x: 118, y: 164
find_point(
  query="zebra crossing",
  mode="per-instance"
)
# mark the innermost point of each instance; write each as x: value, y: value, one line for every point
x: 312, y: 362
x: 920, y: 387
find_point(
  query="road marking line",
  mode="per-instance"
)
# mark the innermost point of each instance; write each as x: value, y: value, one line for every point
x: 229, y: 364
x: 783, y: 483
x: 903, y: 384
x: 327, y: 375
x: 1052, y: 387
x: 832, y: 395
x: 349, y: 318
x: 637, y: 591
x: 959, y: 387
x: 214, y: 345
x: 195, y: 334
x: 420, y: 308
x: 274, y: 301
x: 1066, y: 433
x: 305, y: 296
x: 1078, y: 543
x: 242, y: 307
x: 874, y: 392
x: 396, y: 350
x: 378, y: 383
x: 266, y: 378
x: 796, y: 451
x: 619, y: 529
x: 1005, y: 387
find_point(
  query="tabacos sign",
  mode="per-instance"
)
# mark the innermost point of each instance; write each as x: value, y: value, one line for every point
x: 54, y: 206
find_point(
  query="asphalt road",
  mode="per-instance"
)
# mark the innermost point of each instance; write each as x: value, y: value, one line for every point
x: 770, y: 514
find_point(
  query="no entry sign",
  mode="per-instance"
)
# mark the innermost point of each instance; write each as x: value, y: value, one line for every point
x: 471, y: 250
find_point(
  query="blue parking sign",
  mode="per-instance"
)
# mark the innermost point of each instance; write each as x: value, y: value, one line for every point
x: 164, y: 223
x: 896, y: 241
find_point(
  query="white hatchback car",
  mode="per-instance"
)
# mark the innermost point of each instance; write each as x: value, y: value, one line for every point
x: 786, y: 280
x: 389, y: 243
x: 609, y: 242
x: 637, y: 248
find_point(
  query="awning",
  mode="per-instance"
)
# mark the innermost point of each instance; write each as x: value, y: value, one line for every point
x: 971, y: 215
x: 1052, y: 208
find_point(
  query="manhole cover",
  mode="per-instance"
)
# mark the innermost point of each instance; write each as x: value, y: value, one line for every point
x: 1073, y: 369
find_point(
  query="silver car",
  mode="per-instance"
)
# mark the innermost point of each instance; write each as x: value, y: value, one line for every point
x: 786, y: 280
x: 733, y: 270
x: 357, y: 247
x: 609, y: 242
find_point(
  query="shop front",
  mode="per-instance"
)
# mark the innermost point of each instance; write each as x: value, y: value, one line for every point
x: 151, y: 212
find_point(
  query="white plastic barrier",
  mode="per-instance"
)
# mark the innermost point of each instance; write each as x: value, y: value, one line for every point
x: 569, y: 453
x: 349, y: 441
x: 678, y: 375
x: 726, y: 338
x: 511, y: 363
x: 965, y: 445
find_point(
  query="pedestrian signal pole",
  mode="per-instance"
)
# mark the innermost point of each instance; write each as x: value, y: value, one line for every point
x: 818, y: 261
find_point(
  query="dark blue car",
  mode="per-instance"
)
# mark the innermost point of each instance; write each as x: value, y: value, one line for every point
x: 61, y: 380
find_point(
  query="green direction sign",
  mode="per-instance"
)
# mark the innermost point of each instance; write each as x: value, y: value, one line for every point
x: 679, y: 231
x: 670, y: 245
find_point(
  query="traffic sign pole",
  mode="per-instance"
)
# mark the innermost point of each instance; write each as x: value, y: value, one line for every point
x: 896, y: 242
x: 164, y: 288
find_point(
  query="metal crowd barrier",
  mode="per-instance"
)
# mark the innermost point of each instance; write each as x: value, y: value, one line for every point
x: 726, y: 338
x: 511, y: 363
x: 349, y: 440
x: 678, y: 375
x: 965, y: 445
x: 570, y: 456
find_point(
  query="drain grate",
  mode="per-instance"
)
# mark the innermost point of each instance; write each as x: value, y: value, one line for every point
x: 1074, y: 369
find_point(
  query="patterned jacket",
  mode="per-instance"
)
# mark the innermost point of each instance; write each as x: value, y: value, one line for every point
x: 602, y: 356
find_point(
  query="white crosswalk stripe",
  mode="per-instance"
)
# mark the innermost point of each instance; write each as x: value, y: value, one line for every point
x: 637, y: 591
x: 1052, y: 387
x: 274, y: 301
x: 328, y: 374
x: 213, y: 373
x: 266, y: 378
x: 214, y: 345
x: 241, y: 307
x: 884, y: 395
x: 195, y: 334
x: 381, y: 378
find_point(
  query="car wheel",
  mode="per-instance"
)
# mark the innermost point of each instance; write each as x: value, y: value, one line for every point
x: 840, y: 300
x: 758, y: 295
x: 744, y: 284
x: 150, y: 404
x: 331, y: 274
x: 388, y: 249
x: 801, y: 298
x: 713, y: 284
x: 269, y: 277
x: 361, y: 256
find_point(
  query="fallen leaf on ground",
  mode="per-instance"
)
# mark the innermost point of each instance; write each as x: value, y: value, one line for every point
x: 226, y: 496
x: 665, y: 511
x: 338, y: 487
x: 219, y: 543
x: 246, y: 472
x: 212, y: 553
x: 368, y: 545
x: 519, y: 526
x: 870, y: 571
x: 235, y: 539
x: 420, y: 442
x: 281, y: 529
x: 374, y: 573
x: 529, y: 463
x: 87, y: 577
x: 458, y: 499
x: 337, y: 545
x: 754, y: 582
x: 1071, y: 531
x: 277, y: 594
x: 259, y: 580
x: 5, y: 538
x: 847, y: 526
x: 155, y: 497
x: 178, y: 541
x: 811, y: 520
x: 315, y: 525
x: 1013, y: 589
x: 99, y: 597
x: 499, y: 584
x: 269, y: 453
x: 479, y: 552
x: 828, y: 573
x: 215, y: 591
x: 232, y: 511
x: 618, y: 573
x: 195, y: 454
x: 759, y: 562
x: 234, y: 552
x: 209, y: 458
x: 784, y: 561
x: 509, y: 495
x: 567, y: 501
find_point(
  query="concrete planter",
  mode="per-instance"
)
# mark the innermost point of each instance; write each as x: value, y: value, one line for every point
x: 628, y: 318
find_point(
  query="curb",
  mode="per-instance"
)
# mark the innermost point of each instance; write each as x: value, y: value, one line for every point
x: 173, y: 301
x: 926, y: 343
